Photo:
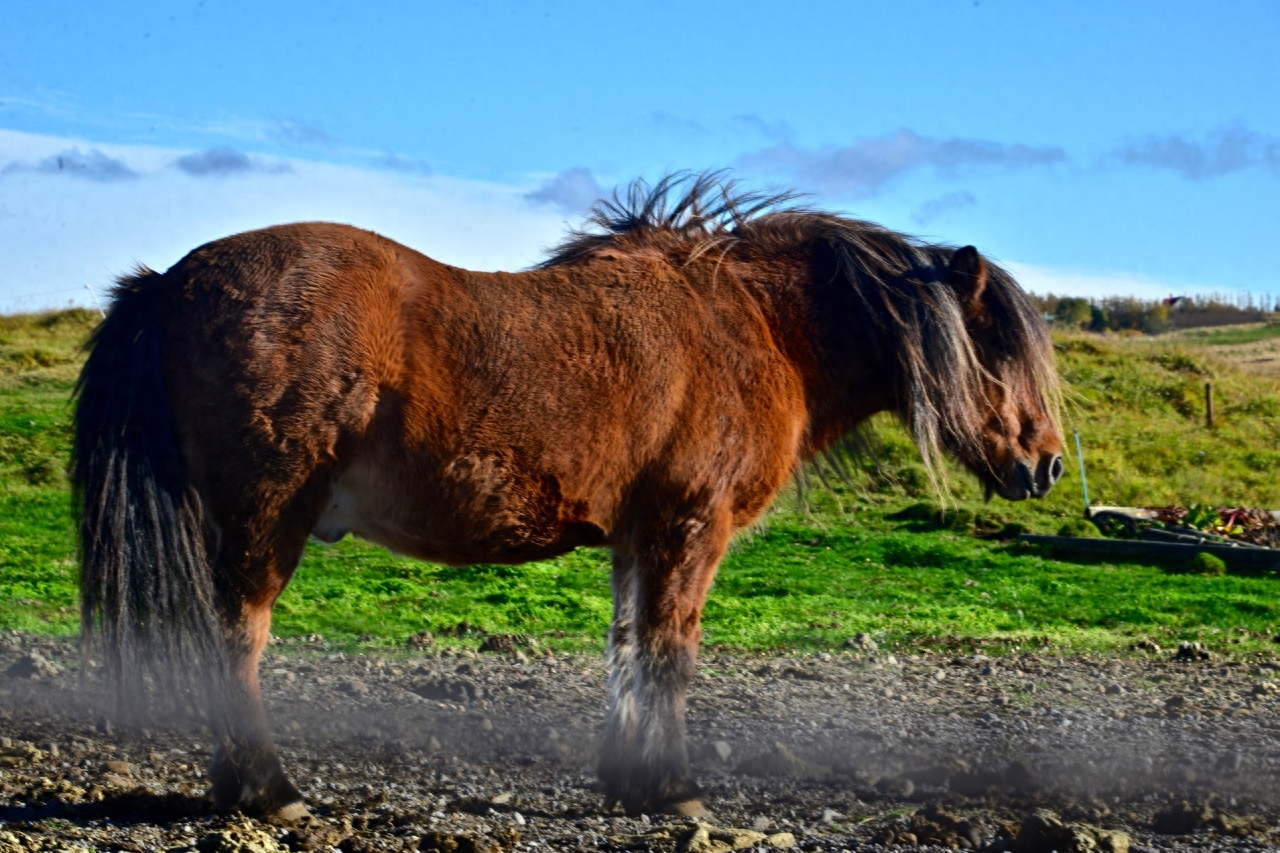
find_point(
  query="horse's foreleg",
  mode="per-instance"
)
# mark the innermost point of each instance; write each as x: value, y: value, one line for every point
x: 658, y: 594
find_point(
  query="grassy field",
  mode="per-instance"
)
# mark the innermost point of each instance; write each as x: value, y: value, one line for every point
x: 846, y: 560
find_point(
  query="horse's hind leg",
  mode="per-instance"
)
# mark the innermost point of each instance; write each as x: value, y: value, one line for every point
x: 246, y: 772
x: 658, y: 591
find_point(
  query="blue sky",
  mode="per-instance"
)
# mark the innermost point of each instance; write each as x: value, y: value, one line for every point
x: 1109, y: 147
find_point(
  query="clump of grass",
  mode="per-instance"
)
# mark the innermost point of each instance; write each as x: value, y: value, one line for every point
x: 1208, y: 564
x: 918, y: 511
x: 1081, y: 527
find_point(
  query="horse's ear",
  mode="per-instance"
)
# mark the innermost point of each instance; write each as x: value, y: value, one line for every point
x: 968, y: 275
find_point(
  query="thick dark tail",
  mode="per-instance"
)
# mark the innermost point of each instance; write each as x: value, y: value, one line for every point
x: 147, y: 591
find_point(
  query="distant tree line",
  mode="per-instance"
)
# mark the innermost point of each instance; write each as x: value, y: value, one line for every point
x: 1151, y: 317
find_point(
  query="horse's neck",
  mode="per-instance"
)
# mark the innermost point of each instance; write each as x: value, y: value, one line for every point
x: 846, y: 379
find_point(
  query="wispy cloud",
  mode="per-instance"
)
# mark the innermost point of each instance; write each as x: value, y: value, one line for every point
x: 92, y: 165
x: 865, y: 166
x: 1228, y: 149
x: 934, y: 208
x: 777, y: 131
x: 405, y: 165
x: 222, y: 162
x: 295, y: 130
x: 572, y: 191
x: 686, y: 126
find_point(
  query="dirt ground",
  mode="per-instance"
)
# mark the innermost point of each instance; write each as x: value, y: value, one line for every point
x: 862, y: 750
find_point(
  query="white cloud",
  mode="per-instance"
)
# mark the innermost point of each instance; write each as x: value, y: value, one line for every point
x: 572, y: 191
x: 57, y: 235
x: 942, y: 205
x: 91, y: 165
x: 223, y: 161
x: 866, y: 166
x: 1227, y: 149
x: 296, y: 130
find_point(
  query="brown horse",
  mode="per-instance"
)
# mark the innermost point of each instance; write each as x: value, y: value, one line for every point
x: 650, y: 387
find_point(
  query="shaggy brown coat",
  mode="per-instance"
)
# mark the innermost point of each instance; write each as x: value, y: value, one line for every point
x: 650, y: 388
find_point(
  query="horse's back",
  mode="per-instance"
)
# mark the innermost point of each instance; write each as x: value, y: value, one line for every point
x: 467, y: 416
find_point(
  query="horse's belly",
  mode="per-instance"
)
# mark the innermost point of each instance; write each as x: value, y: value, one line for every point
x: 423, y: 525
x: 362, y: 508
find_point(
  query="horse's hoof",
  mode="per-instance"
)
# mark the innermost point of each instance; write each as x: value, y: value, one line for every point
x: 291, y: 813
x: 687, y: 808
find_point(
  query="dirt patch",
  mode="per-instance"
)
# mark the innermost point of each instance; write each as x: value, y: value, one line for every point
x: 461, y: 751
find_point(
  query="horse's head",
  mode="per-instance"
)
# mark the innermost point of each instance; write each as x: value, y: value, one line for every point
x: 1013, y: 442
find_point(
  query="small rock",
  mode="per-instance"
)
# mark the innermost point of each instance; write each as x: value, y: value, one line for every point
x: 862, y: 642
x: 721, y: 750
x: 1113, y: 841
x: 507, y: 643
x: 899, y: 786
x: 1183, y: 818
x: 33, y: 665
x: 736, y: 839
x: 18, y: 753
x: 830, y: 816
x: 11, y: 842
x: 1192, y: 652
x: 779, y: 761
x: 120, y: 768
x: 421, y: 640
x: 353, y: 686
x: 240, y: 838
x: 454, y: 690
x: 447, y: 842
x: 1045, y: 830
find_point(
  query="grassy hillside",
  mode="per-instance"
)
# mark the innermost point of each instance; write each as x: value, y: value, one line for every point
x: 843, y: 561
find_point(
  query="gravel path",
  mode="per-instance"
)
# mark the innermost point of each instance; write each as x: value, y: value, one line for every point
x: 461, y: 751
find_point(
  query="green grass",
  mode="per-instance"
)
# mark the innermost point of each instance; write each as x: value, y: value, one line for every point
x: 1139, y: 407
x: 809, y: 576
x: 1233, y: 336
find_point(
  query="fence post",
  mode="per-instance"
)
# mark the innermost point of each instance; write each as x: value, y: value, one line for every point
x: 1208, y: 404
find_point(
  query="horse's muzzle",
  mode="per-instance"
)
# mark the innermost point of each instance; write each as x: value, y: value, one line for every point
x: 1025, y: 482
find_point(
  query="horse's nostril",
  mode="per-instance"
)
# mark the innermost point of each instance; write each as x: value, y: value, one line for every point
x: 1055, y: 470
